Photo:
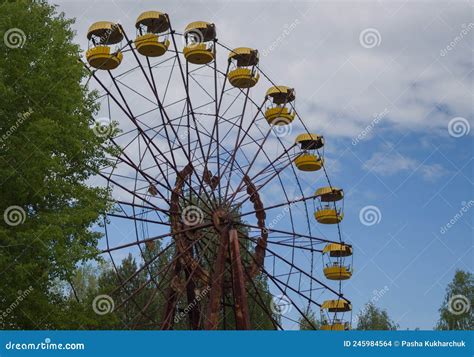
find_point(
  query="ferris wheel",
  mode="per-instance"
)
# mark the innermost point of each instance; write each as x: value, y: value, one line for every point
x: 209, y: 179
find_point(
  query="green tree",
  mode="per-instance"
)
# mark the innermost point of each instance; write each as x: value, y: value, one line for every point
x: 135, y: 290
x: 456, y: 312
x: 78, y: 299
x: 47, y: 153
x: 374, y: 318
x: 127, y: 288
x: 309, y: 321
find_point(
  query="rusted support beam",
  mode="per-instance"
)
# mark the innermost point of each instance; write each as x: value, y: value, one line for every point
x: 242, y: 319
x: 172, y: 299
x: 194, y: 312
x: 217, y: 284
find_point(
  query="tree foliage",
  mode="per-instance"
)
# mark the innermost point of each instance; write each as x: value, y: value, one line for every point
x: 47, y: 153
x: 373, y: 318
x: 309, y: 321
x: 126, y: 289
x: 456, y: 312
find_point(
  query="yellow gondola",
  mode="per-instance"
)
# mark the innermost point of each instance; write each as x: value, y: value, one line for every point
x: 278, y: 112
x: 101, y: 36
x: 336, y: 271
x: 244, y: 73
x: 309, y: 160
x: 150, y: 40
x: 332, y: 322
x: 329, y: 214
x: 310, y: 141
x: 336, y: 306
x: 334, y: 257
x: 199, y: 47
x: 337, y: 250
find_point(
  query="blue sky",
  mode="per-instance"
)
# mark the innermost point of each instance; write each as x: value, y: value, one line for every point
x: 407, y: 97
x: 406, y: 250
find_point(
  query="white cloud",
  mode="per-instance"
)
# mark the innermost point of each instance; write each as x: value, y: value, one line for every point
x: 340, y: 84
x: 390, y: 162
x: 432, y: 172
